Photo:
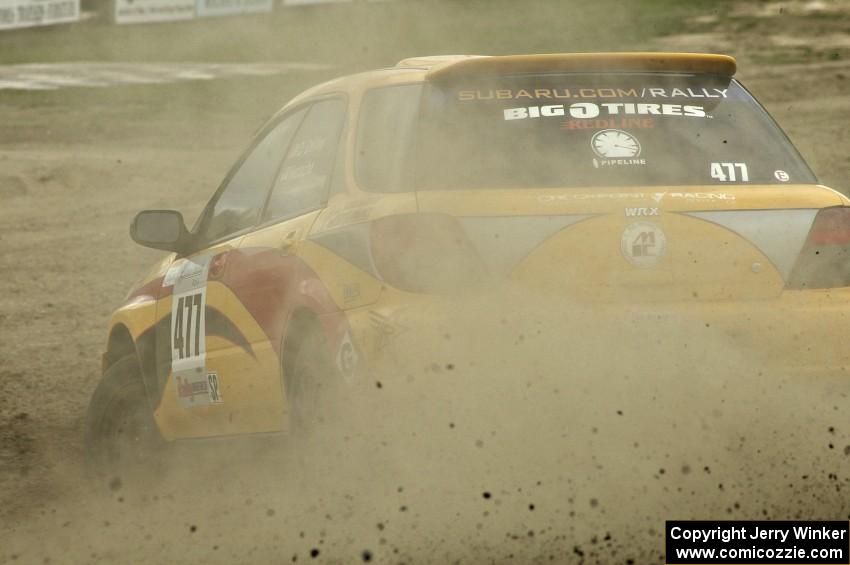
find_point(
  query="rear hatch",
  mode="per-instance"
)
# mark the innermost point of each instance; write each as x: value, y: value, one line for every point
x: 657, y: 179
x: 663, y: 243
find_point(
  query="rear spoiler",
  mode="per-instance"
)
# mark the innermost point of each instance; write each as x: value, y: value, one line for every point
x: 701, y: 63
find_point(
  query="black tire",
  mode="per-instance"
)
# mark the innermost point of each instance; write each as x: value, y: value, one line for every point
x: 311, y: 380
x: 122, y: 441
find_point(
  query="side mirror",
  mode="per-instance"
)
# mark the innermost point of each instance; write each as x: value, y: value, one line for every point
x: 160, y: 229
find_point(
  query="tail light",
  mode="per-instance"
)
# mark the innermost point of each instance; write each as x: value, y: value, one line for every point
x: 425, y: 253
x: 824, y: 261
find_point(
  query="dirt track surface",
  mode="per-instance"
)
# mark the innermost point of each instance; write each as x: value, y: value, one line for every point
x: 71, y: 180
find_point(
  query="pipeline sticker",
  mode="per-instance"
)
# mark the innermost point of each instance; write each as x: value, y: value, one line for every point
x: 615, y: 144
x: 615, y: 147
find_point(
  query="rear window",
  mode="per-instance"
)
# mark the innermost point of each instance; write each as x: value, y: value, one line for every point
x: 585, y: 130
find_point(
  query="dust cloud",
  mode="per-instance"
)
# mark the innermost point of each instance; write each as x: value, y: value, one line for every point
x: 513, y: 431
x: 516, y: 430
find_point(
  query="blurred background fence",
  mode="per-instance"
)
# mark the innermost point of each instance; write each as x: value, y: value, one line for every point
x: 31, y: 13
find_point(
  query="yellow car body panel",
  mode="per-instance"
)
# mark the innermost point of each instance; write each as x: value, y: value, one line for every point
x: 250, y: 382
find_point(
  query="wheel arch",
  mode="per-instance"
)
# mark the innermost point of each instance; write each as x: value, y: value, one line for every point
x: 120, y: 344
x: 301, y: 321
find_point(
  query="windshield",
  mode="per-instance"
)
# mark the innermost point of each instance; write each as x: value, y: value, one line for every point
x: 585, y: 130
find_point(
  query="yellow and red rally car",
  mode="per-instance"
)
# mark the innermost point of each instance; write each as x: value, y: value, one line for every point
x: 647, y: 178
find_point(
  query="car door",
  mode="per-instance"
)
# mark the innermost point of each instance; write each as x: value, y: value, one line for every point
x: 207, y: 344
x: 270, y: 271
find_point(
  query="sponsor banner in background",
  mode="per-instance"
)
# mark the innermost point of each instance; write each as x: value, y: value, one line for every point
x: 210, y: 8
x: 27, y: 13
x: 306, y: 2
x: 141, y: 11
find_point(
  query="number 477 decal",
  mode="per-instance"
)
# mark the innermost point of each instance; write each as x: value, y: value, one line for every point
x: 730, y: 172
x: 188, y: 336
x: 187, y: 325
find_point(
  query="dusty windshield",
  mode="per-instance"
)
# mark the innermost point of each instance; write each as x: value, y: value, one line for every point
x: 582, y: 130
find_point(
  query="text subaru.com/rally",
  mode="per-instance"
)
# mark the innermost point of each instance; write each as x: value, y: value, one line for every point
x: 368, y: 200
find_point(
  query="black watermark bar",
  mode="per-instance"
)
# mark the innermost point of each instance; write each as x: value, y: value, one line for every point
x: 762, y: 543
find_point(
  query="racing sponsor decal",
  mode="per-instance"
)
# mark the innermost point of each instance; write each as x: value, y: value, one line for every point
x: 683, y: 92
x: 187, y: 323
x: 656, y: 196
x: 590, y: 110
x: 173, y: 273
x: 200, y: 392
x: 643, y: 244
x: 213, y: 388
x: 615, y: 147
x: 386, y: 329
x: 659, y: 196
x: 347, y: 357
x: 610, y: 123
x: 546, y: 93
x: 188, y: 332
x: 302, y: 160
x: 632, y: 212
x: 730, y: 172
x: 350, y: 292
x: 615, y: 144
x: 589, y: 93
x: 188, y: 390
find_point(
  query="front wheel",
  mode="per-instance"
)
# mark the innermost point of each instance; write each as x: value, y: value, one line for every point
x: 121, y: 437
